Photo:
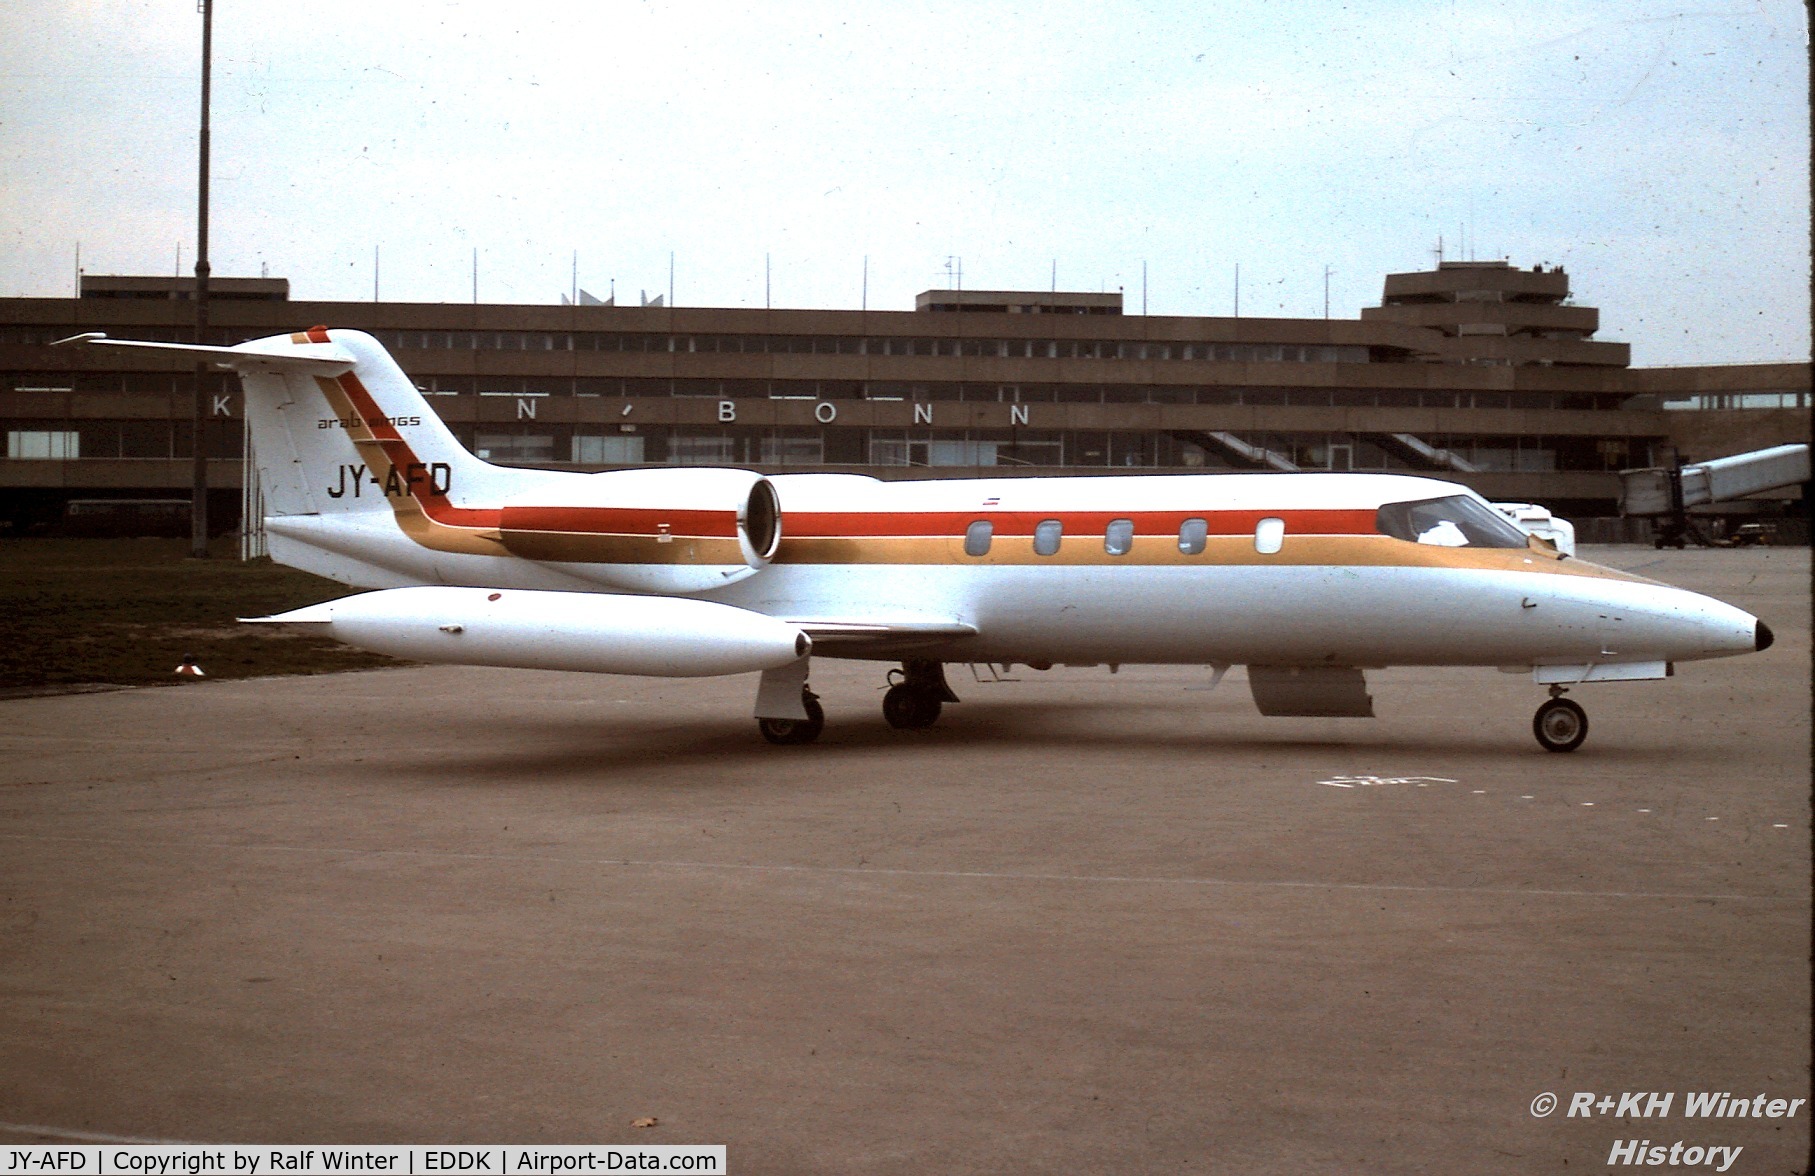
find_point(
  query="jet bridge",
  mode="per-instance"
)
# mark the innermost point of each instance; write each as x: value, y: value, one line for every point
x: 1667, y: 494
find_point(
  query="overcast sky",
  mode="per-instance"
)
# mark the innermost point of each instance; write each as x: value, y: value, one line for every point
x: 1659, y: 151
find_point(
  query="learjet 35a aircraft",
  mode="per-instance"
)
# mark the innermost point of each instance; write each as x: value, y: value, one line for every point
x: 1306, y: 579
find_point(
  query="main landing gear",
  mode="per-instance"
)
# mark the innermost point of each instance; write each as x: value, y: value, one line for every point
x: 796, y: 730
x: 917, y: 696
x: 1560, y: 724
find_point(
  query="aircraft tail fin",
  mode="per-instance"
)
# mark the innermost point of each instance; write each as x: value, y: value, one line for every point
x: 338, y: 428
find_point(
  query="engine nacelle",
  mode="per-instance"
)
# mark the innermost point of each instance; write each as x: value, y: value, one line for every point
x: 668, y: 530
x: 586, y: 631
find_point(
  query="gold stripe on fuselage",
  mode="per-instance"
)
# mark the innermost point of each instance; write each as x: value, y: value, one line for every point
x: 602, y: 548
x: 412, y: 519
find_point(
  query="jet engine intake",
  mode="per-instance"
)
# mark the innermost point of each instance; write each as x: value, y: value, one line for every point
x: 592, y: 632
x: 671, y: 530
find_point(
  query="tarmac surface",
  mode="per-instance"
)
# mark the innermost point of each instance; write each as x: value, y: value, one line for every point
x: 1087, y: 923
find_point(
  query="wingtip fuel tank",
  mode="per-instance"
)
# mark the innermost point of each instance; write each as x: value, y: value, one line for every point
x: 584, y: 631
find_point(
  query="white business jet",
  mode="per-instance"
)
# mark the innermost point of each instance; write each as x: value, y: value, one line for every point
x: 1306, y: 579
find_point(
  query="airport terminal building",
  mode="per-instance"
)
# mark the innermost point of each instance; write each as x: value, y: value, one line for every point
x: 1479, y: 372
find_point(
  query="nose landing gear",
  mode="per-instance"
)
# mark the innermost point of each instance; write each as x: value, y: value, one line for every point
x: 1560, y: 724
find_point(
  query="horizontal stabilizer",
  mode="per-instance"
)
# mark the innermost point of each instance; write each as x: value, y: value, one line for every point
x: 326, y: 359
x: 314, y: 614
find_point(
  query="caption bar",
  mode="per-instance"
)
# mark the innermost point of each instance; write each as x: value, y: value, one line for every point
x: 222, y: 1159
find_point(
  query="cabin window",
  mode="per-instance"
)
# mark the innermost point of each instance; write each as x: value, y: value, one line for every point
x: 1269, y: 535
x: 977, y: 537
x: 1046, y: 537
x: 1192, y: 535
x: 1119, y: 538
x: 1455, y: 521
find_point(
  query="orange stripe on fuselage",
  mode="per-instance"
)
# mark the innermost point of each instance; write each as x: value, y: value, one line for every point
x: 422, y: 513
x: 853, y: 524
x: 397, y: 453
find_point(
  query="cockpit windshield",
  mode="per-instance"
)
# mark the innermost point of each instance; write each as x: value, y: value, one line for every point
x: 1456, y: 521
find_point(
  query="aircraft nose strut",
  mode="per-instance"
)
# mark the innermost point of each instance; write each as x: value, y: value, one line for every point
x: 1763, y: 638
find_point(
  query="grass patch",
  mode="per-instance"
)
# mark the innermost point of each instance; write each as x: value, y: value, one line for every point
x: 125, y: 612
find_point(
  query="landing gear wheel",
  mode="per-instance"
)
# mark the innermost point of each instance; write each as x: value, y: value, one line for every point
x: 1560, y: 725
x: 805, y: 730
x: 909, y: 707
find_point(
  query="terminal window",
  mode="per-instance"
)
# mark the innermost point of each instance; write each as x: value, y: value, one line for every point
x: 43, y: 444
x: 514, y: 446
x: 607, y: 450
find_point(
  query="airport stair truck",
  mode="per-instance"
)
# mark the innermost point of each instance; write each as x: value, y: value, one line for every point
x: 1665, y: 495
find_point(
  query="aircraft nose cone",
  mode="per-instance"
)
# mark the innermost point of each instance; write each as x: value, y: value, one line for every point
x: 1764, y: 637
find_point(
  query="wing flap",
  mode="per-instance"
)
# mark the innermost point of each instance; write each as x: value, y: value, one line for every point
x: 828, y: 632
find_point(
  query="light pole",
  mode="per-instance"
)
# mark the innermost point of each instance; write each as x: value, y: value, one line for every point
x: 198, y: 502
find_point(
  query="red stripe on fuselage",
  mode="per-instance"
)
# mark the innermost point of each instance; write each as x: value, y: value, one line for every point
x: 434, y: 504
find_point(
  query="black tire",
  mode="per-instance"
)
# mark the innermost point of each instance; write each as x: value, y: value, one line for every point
x: 1560, y: 725
x: 908, y: 708
x: 790, y: 731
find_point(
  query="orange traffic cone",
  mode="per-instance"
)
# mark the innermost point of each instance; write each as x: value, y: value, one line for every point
x: 189, y: 669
